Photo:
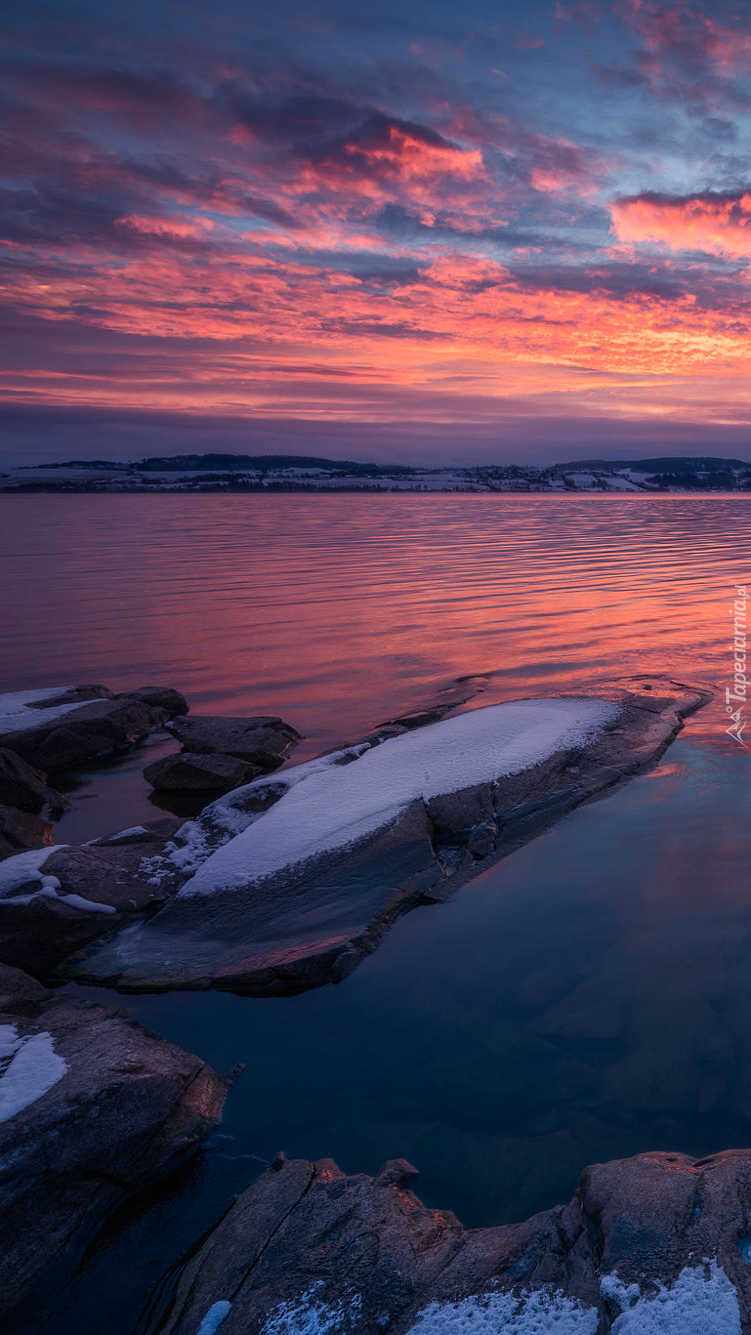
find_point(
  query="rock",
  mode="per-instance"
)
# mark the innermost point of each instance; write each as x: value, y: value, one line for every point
x: 190, y: 772
x: 21, y: 785
x: 83, y: 735
x: 92, y: 1108
x: 161, y: 697
x: 55, y: 902
x: 656, y: 1242
x: 73, y: 695
x: 21, y: 830
x: 263, y: 741
x: 308, y: 918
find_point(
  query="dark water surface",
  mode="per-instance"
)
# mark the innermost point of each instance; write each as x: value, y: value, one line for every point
x: 587, y: 998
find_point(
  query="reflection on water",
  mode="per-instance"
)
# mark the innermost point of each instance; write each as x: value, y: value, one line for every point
x: 587, y: 998
x: 337, y: 611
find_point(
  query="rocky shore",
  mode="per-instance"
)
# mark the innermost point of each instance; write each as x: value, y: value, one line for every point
x: 92, y: 1108
x: 653, y: 1245
x: 284, y: 883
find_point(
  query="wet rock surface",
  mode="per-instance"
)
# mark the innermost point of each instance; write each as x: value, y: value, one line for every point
x: 92, y: 1107
x: 656, y: 1243
x: 313, y: 922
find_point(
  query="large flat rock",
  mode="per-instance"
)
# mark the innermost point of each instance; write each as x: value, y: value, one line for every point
x: 654, y: 1245
x: 92, y: 1108
x: 287, y: 883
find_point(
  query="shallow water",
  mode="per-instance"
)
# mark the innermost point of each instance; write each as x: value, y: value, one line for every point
x: 588, y: 997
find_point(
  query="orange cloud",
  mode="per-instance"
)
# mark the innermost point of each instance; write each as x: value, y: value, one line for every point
x: 715, y: 223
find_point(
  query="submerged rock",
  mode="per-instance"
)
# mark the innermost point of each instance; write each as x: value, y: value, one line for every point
x: 656, y: 1243
x: 92, y: 1108
x: 286, y: 885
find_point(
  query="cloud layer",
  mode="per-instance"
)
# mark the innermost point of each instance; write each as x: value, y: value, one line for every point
x: 380, y: 221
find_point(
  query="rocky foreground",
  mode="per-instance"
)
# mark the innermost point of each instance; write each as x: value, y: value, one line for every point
x: 282, y: 884
x: 287, y: 883
x: 92, y: 1108
x: 654, y: 1245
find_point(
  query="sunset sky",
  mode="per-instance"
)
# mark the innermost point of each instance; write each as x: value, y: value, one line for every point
x: 413, y: 231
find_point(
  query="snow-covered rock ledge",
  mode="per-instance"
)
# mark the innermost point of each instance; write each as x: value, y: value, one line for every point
x: 92, y: 1108
x: 285, y: 884
x: 654, y: 1245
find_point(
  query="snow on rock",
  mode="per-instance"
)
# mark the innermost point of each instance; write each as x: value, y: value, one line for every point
x: 17, y: 872
x: 15, y: 711
x: 308, y: 1314
x: 24, y: 871
x: 329, y: 805
x: 29, y: 1066
x: 214, y: 1317
x: 702, y: 1301
x: 540, y: 1312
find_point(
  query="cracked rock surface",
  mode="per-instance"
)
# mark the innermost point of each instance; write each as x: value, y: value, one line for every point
x: 652, y: 1245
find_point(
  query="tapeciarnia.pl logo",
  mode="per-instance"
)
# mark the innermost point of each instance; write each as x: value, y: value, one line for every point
x: 736, y: 696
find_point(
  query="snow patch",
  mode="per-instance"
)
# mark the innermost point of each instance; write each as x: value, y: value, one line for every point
x: 18, y: 871
x: 15, y: 713
x: 126, y: 834
x: 702, y: 1301
x: 308, y: 1315
x: 214, y: 1317
x: 328, y: 805
x: 539, y: 1312
x: 33, y: 1068
x: 21, y: 871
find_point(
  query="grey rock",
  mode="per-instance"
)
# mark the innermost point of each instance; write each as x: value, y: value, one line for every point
x: 189, y: 772
x: 306, y: 1245
x: 312, y: 923
x: 264, y: 740
x: 124, y: 1109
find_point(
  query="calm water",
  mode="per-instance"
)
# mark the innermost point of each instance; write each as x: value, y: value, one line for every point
x: 587, y: 998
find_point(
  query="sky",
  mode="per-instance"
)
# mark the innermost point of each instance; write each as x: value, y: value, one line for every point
x: 409, y: 231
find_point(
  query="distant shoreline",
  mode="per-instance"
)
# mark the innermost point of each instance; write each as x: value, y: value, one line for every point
x: 217, y: 474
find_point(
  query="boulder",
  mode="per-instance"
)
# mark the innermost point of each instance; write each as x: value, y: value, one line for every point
x: 287, y: 884
x: 161, y: 697
x: 21, y: 785
x: 92, y: 1108
x: 55, y: 900
x: 21, y: 830
x: 658, y: 1242
x: 82, y: 735
x: 190, y: 772
x: 264, y: 741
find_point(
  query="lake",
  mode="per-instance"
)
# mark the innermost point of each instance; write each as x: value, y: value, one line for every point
x: 588, y: 997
